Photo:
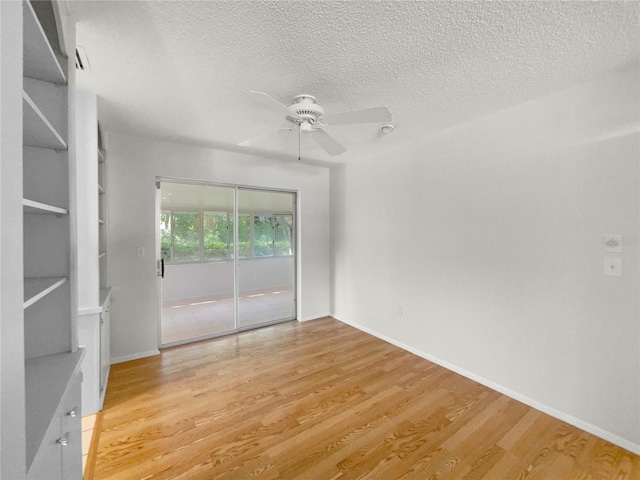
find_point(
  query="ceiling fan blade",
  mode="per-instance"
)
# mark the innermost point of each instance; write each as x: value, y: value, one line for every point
x: 327, y: 142
x: 368, y: 115
x: 265, y: 136
x: 273, y: 103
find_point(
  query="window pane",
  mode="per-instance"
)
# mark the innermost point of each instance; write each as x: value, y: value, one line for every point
x: 165, y: 235
x: 262, y: 236
x: 216, y: 236
x: 186, y: 236
x: 244, y: 236
x: 283, y: 229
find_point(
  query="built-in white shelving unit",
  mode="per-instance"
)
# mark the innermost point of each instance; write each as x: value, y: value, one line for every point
x: 105, y: 290
x: 93, y: 293
x: 52, y: 359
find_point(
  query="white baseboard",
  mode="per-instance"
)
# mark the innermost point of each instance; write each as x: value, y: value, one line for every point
x: 135, y: 356
x: 562, y: 416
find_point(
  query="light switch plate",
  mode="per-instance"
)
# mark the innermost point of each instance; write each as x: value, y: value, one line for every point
x: 140, y: 251
x: 613, y: 266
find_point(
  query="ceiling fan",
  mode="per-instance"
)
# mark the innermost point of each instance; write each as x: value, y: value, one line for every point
x: 307, y: 117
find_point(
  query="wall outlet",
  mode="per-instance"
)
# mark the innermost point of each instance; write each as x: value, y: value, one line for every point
x: 140, y: 251
x: 613, y: 266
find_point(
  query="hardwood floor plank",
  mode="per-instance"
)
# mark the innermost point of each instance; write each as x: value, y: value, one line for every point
x: 417, y: 469
x: 518, y: 430
x: 321, y: 400
x: 508, y: 466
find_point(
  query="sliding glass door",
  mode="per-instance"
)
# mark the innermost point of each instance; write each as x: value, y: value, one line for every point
x: 266, y: 268
x: 228, y: 258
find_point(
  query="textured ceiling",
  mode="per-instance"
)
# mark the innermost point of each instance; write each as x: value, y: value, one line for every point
x: 181, y: 70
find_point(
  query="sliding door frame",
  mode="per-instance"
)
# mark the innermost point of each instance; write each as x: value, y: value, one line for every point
x: 236, y: 257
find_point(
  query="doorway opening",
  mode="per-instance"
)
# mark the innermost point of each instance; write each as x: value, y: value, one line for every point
x: 227, y: 259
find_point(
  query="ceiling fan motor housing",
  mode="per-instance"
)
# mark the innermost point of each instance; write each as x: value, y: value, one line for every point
x: 306, y: 108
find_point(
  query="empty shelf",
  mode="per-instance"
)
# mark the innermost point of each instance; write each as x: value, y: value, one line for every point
x: 31, y: 206
x: 38, y: 131
x: 40, y: 61
x: 37, y: 288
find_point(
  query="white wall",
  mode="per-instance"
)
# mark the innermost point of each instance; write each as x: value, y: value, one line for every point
x: 480, y: 247
x: 133, y: 164
x: 193, y: 280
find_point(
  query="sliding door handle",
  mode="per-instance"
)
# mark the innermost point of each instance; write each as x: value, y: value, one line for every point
x: 160, y: 268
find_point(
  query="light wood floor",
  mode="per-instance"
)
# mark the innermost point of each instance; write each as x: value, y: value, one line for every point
x: 322, y: 400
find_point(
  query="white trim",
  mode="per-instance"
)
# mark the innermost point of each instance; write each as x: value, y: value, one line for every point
x: 103, y: 392
x: 135, y: 356
x: 565, y: 417
x: 236, y: 254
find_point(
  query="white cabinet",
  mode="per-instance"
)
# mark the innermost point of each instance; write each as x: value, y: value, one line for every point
x: 94, y: 336
x: 60, y: 453
x: 70, y: 414
x: 47, y: 464
x: 37, y: 255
